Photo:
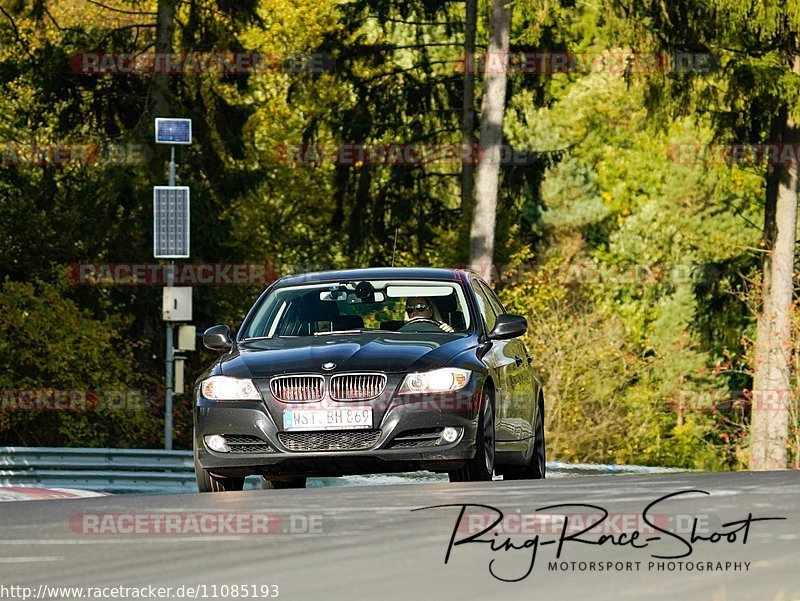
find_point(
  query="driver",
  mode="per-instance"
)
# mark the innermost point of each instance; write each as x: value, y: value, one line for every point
x: 419, y: 307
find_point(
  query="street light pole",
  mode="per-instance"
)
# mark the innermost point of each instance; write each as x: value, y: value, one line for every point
x: 170, y: 344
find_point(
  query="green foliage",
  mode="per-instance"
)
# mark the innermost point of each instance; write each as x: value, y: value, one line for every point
x: 625, y: 302
x: 629, y: 264
x: 54, y: 345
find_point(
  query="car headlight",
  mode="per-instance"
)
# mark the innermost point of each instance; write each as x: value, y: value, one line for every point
x: 439, y: 380
x: 225, y: 388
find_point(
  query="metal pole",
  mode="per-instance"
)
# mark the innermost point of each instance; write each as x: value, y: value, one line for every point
x: 168, y: 408
x: 170, y: 345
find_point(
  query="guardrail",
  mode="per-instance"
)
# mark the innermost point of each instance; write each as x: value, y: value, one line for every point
x: 108, y: 470
x: 142, y: 471
x: 593, y: 469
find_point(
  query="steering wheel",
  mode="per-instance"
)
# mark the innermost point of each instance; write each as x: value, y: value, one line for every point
x: 429, y: 325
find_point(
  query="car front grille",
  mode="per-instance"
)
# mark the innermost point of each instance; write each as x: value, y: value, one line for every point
x: 357, y: 387
x: 246, y: 444
x: 298, y: 388
x: 340, y: 440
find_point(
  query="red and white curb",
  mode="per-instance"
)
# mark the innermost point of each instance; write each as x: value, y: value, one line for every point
x: 31, y: 493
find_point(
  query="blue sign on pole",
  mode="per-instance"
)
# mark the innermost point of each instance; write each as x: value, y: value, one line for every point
x: 173, y: 131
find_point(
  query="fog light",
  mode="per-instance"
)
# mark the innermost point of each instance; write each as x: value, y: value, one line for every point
x: 450, y: 434
x: 215, y: 442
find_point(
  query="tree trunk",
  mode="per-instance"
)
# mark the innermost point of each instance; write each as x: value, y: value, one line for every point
x: 771, y: 383
x: 165, y: 29
x: 481, y: 252
x: 468, y: 107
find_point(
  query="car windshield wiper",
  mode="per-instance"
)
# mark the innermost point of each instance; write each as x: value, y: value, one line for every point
x: 356, y: 331
x: 256, y: 338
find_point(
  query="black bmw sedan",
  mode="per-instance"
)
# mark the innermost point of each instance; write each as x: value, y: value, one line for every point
x: 369, y: 371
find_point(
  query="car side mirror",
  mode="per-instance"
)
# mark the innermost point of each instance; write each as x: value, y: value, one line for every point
x: 508, y: 326
x: 218, y: 338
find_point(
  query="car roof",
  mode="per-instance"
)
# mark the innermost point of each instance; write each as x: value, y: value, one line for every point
x: 374, y: 273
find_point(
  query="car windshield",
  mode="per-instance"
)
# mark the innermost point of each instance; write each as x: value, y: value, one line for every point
x: 356, y: 306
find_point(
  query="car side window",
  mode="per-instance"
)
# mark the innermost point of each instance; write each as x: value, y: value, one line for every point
x: 493, y: 300
x: 487, y: 312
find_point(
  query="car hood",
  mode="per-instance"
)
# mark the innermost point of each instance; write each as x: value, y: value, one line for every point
x: 390, y: 353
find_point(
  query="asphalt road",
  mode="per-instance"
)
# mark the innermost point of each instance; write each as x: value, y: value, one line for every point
x: 367, y: 543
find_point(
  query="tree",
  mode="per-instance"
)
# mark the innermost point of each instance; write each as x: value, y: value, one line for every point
x: 468, y: 107
x: 752, y: 98
x: 624, y: 341
x: 165, y: 30
x: 484, y: 216
x: 53, y: 214
x: 772, y: 388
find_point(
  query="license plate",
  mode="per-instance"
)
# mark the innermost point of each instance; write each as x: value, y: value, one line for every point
x: 327, y: 419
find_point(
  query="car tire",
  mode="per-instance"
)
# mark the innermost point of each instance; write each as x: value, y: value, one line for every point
x: 481, y: 467
x: 207, y: 482
x: 278, y: 484
x: 536, y: 469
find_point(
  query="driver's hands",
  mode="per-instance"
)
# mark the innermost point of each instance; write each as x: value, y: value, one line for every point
x: 446, y: 327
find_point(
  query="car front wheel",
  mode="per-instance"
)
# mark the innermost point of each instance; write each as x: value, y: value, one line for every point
x: 535, y: 470
x: 207, y: 482
x: 481, y: 467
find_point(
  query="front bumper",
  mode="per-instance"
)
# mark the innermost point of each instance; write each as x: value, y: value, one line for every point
x: 395, y: 419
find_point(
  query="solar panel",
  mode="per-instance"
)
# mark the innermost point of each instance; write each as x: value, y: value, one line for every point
x: 170, y: 222
x: 173, y: 131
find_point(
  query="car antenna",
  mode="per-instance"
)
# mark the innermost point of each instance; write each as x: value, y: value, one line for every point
x: 394, y: 248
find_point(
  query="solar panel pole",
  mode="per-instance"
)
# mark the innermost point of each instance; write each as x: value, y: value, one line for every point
x: 169, y: 336
x: 171, y: 131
